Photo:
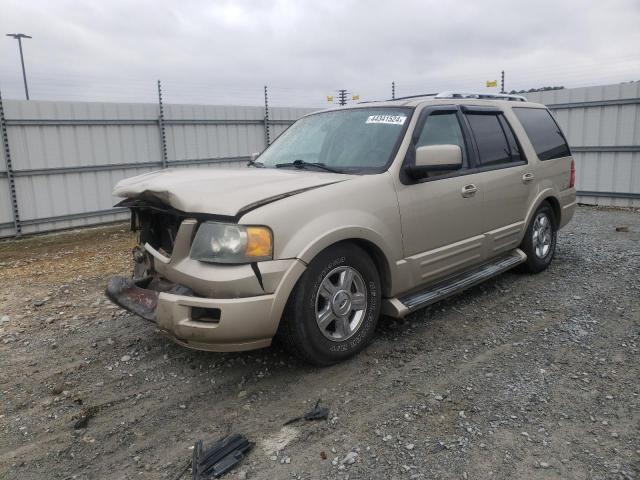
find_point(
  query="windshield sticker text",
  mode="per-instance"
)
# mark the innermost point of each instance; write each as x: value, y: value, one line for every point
x: 388, y: 119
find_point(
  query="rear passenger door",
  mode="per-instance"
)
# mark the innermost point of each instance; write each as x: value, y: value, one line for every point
x: 505, y: 174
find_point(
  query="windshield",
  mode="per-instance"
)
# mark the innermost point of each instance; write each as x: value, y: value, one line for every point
x: 352, y: 140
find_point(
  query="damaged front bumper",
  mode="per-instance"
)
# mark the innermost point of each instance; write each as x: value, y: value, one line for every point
x: 141, y: 297
x: 213, y: 324
x: 206, y: 306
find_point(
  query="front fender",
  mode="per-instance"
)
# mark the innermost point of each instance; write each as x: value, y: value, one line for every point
x: 364, y: 208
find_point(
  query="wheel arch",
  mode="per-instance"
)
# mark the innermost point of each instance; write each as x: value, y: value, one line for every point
x: 379, y: 260
x: 555, y: 206
x: 367, y: 240
x: 551, y: 198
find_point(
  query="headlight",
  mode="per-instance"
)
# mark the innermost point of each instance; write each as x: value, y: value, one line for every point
x: 229, y: 243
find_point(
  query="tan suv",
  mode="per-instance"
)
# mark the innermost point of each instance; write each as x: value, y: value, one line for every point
x: 379, y: 208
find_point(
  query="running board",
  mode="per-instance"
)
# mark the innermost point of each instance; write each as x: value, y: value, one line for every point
x: 401, y: 306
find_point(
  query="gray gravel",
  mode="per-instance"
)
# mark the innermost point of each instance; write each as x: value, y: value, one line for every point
x: 523, y: 377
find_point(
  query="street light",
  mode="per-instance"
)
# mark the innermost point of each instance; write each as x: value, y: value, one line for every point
x: 19, y: 37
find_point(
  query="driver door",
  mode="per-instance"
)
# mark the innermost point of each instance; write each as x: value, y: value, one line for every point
x: 442, y: 226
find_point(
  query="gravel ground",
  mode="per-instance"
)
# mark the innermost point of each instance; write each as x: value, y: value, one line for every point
x: 523, y: 377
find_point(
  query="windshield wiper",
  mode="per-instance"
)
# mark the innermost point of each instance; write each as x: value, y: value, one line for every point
x: 303, y: 164
x: 253, y: 163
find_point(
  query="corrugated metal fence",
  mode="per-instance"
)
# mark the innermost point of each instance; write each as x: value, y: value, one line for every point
x: 602, y: 125
x: 60, y: 160
x: 65, y: 157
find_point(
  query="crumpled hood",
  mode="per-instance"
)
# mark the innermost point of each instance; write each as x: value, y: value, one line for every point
x: 222, y: 191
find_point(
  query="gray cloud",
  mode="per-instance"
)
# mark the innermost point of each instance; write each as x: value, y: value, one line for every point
x: 225, y: 51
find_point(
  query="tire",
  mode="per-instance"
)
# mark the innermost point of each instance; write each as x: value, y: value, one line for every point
x: 540, y: 240
x: 332, y: 312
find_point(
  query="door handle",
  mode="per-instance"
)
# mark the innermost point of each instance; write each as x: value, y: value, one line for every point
x: 527, y: 177
x: 469, y: 190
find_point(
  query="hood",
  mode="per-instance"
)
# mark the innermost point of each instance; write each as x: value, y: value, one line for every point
x: 223, y: 191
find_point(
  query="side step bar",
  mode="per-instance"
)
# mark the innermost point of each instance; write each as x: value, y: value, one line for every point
x: 401, y: 306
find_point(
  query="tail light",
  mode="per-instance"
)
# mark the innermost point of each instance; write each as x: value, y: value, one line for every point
x: 572, y: 174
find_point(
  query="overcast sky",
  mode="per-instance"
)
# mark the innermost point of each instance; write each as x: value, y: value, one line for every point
x: 208, y: 51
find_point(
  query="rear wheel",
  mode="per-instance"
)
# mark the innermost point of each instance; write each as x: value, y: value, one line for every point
x: 540, y: 240
x: 333, y: 311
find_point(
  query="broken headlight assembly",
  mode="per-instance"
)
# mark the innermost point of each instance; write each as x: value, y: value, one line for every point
x: 231, y: 243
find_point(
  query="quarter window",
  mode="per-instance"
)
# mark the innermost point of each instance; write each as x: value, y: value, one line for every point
x: 544, y: 133
x: 494, y: 138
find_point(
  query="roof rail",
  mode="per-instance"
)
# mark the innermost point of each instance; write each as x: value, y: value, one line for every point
x: 482, y: 96
x: 412, y: 96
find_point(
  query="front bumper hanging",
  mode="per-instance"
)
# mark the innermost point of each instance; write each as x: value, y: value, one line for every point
x: 141, y: 296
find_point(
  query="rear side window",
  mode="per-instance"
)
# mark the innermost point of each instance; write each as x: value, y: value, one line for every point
x: 494, y: 138
x: 544, y: 133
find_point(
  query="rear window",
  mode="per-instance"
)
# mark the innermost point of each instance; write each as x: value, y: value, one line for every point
x: 544, y: 133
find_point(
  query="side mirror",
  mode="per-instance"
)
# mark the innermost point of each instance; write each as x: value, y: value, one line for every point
x: 435, y: 158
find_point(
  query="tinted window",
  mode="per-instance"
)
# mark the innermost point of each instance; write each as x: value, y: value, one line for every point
x: 514, y: 147
x: 544, y: 133
x: 442, y: 129
x: 493, y: 146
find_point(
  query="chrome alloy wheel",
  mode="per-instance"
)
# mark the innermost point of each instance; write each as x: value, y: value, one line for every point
x: 542, y: 235
x: 341, y: 303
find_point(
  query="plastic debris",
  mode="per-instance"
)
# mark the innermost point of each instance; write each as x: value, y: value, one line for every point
x: 316, y: 413
x: 220, y: 458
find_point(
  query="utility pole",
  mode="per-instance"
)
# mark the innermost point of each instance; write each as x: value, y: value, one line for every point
x: 393, y: 90
x: 502, y: 83
x: 19, y: 37
x: 342, y: 97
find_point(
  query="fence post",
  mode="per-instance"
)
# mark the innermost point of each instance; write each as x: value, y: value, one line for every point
x: 267, y: 139
x: 163, y: 137
x: 11, y: 180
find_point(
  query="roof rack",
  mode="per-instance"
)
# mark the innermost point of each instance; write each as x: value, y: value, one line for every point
x: 482, y: 96
x: 412, y: 96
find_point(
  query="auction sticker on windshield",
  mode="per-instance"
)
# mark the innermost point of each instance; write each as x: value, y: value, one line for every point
x: 388, y: 119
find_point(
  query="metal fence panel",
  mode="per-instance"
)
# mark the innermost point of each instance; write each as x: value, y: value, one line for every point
x: 6, y: 216
x: 602, y: 125
x: 67, y: 156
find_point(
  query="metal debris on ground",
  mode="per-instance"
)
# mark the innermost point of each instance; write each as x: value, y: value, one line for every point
x: 220, y: 458
x: 316, y: 413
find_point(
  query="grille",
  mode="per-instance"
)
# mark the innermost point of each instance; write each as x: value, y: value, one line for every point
x: 156, y: 227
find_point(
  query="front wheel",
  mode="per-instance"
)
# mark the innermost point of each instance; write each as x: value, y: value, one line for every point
x: 333, y: 311
x: 540, y: 240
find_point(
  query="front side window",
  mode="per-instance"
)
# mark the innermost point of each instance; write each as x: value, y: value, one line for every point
x: 442, y: 129
x: 494, y: 138
x: 544, y: 133
x: 359, y: 140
